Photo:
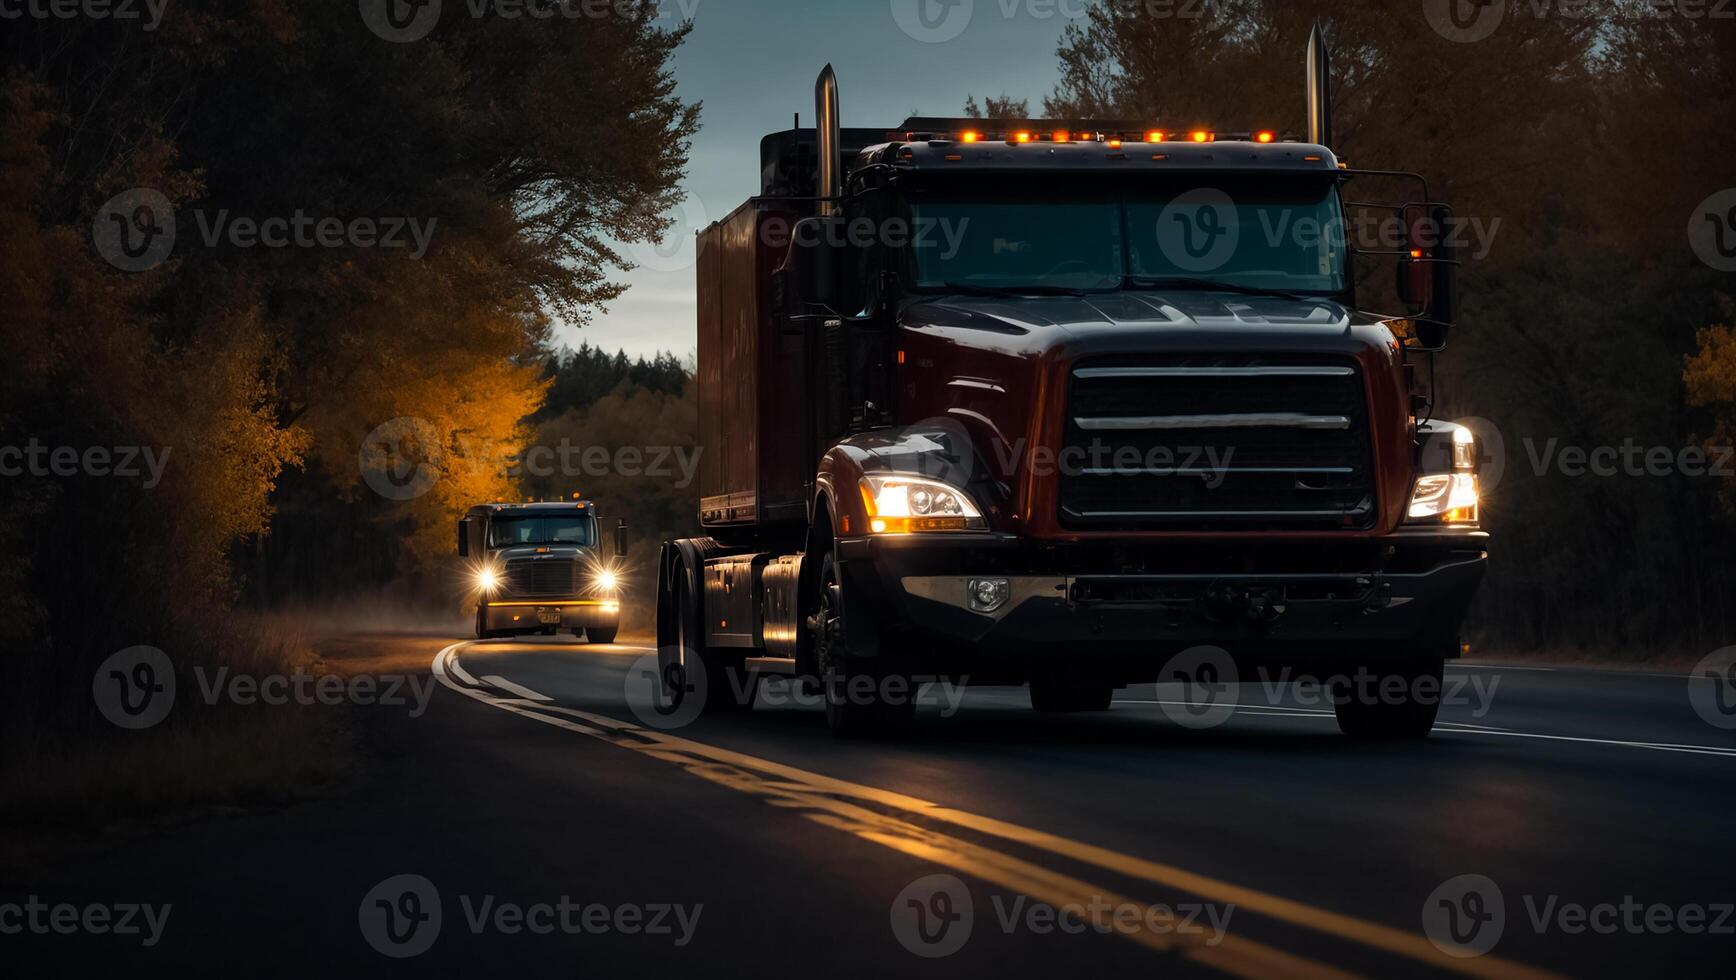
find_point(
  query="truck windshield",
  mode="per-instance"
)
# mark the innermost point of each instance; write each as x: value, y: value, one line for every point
x: 504, y: 532
x: 1241, y: 233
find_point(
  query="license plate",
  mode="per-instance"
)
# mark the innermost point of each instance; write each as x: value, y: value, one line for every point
x: 548, y: 615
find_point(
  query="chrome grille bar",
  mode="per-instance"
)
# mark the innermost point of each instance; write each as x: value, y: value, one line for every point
x: 1265, y: 420
x: 1209, y: 471
x: 1357, y: 512
x: 1252, y: 371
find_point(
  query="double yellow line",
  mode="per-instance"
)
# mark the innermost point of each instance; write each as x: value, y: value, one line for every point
x: 909, y: 825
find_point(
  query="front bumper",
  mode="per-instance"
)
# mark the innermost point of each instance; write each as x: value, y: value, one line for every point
x: 522, y: 614
x: 1406, y: 600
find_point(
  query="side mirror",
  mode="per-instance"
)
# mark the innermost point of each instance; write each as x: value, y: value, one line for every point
x: 1415, y: 280
x: 620, y: 539
x: 464, y: 538
x: 814, y: 261
x: 1414, y: 275
x: 1428, y: 275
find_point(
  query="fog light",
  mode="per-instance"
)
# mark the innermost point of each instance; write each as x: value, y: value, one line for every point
x: 989, y: 594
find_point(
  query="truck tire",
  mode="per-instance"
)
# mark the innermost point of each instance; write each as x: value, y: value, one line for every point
x: 726, y: 683
x: 601, y: 634
x: 855, y: 689
x: 1054, y: 695
x: 1374, y: 715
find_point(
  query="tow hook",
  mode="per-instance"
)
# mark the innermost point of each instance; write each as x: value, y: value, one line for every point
x: 1228, y: 604
x: 1379, y: 597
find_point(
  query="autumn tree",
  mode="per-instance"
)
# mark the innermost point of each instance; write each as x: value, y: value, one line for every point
x: 512, y: 153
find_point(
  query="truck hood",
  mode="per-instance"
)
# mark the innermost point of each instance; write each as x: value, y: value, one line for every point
x: 1176, y: 315
x: 567, y: 551
x: 1002, y: 367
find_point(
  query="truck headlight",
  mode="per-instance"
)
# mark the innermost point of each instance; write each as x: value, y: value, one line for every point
x: 1449, y: 498
x: 487, y: 580
x: 606, y: 580
x: 901, y: 504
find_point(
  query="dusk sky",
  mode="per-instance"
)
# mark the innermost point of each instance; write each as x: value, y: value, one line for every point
x: 753, y: 65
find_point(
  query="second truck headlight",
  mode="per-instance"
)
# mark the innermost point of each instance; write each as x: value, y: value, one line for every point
x: 901, y: 504
x: 487, y: 579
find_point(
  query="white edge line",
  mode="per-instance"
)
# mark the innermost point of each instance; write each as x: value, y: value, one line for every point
x: 463, y: 675
x: 1654, y: 746
x: 495, y: 680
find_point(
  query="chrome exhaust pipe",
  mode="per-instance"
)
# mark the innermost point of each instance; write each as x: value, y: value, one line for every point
x: 828, y: 138
x: 1319, y: 93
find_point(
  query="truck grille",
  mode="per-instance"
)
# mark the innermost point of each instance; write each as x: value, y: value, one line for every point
x: 1217, y: 443
x: 541, y: 578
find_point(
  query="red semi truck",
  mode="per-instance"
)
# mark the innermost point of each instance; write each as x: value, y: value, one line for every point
x: 1048, y: 402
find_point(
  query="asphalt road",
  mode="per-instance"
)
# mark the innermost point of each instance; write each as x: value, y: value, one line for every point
x: 562, y: 826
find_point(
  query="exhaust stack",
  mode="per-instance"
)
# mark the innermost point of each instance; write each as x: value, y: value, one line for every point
x: 1319, y: 91
x: 826, y: 133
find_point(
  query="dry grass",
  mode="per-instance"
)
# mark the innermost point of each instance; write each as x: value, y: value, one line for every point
x: 70, y: 786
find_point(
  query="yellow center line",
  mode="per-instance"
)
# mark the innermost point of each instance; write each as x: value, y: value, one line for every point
x: 816, y: 792
x: 1232, y: 955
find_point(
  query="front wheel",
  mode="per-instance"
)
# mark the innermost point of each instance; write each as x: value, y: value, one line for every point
x: 601, y: 634
x: 1390, y: 702
x: 863, y: 698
